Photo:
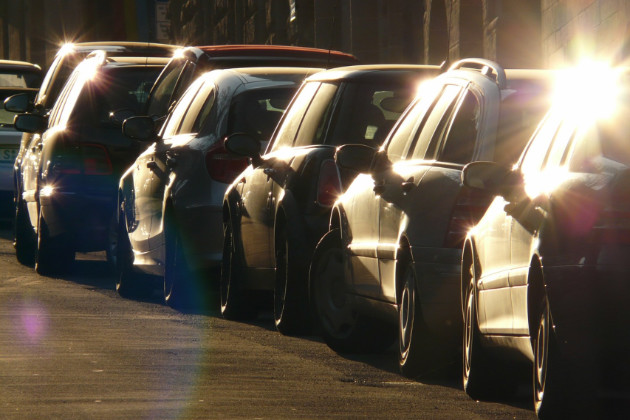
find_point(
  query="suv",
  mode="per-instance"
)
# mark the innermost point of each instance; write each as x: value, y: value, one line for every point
x: 555, y: 244
x: 393, y: 250
x: 189, y: 63
x: 66, y: 59
x: 72, y: 164
x: 277, y: 209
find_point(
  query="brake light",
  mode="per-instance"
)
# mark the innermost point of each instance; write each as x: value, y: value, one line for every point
x: 469, y: 208
x: 328, y: 184
x: 223, y: 166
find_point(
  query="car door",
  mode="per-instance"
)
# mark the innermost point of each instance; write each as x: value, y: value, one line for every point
x: 257, y: 199
x: 541, y: 169
x: 160, y: 159
x: 402, y: 201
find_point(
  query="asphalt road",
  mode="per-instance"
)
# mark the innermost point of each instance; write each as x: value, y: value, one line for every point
x: 70, y: 348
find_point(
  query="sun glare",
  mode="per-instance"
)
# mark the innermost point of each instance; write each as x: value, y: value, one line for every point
x: 588, y: 91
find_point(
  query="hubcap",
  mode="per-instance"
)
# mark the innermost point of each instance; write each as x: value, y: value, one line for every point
x: 541, y: 357
x: 406, y: 314
x: 468, y: 328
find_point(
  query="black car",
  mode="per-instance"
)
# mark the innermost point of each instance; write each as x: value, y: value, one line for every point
x: 72, y: 165
x: 278, y: 208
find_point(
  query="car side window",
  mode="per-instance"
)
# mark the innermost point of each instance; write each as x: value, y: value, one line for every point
x: 201, y: 99
x: 312, y: 128
x: 174, y: 121
x: 293, y: 117
x: 400, y: 141
x: 538, y: 147
x: 558, y: 150
x: 204, y: 114
x: 459, y: 145
x: 435, y: 123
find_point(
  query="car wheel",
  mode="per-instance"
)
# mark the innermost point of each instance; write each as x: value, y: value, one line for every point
x: 54, y: 254
x: 483, y: 377
x: 289, y: 294
x: 177, y: 274
x: 129, y: 284
x: 24, y: 238
x: 235, y: 305
x: 413, y: 342
x: 342, y: 327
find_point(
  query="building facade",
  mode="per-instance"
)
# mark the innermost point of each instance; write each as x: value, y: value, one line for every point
x: 516, y: 33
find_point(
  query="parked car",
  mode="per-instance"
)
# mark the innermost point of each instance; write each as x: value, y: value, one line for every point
x: 16, y: 77
x: 71, y: 166
x: 393, y: 250
x: 544, y: 272
x: 170, y: 199
x: 191, y: 62
x: 279, y: 207
x: 66, y: 59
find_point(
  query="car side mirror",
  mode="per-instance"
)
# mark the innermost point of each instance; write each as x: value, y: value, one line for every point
x: 19, y: 103
x: 355, y: 157
x: 490, y: 177
x: 242, y: 144
x: 30, y: 123
x: 139, y: 128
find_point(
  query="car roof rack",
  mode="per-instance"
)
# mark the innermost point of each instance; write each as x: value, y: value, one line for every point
x: 486, y: 67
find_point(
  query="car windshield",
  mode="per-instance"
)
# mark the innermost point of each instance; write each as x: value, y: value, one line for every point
x: 19, y: 78
x: 521, y: 111
x: 257, y: 112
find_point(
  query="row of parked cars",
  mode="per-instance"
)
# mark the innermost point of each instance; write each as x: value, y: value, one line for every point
x: 372, y: 204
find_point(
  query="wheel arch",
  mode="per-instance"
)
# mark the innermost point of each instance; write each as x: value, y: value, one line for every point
x: 536, y: 293
x: 403, y: 257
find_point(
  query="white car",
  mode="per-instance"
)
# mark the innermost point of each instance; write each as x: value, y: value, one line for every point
x: 15, y: 77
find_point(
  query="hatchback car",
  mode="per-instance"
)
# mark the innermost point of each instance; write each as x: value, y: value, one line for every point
x: 16, y: 77
x: 393, y: 251
x: 170, y: 199
x: 66, y: 59
x: 277, y: 210
x: 545, y: 271
x: 191, y: 62
x: 71, y: 167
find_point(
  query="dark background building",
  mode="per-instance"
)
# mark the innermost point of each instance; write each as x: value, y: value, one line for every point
x: 516, y: 33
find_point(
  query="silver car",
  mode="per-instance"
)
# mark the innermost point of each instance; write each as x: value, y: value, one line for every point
x: 15, y: 77
x: 170, y: 199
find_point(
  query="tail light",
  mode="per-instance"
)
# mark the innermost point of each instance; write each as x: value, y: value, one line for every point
x: 86, y: 159
x: 468, y: 209
x: 223, y: 166
x: 328, y: 184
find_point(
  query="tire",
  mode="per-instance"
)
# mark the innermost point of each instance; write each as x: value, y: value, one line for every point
x: 54, y: 255
x: 111, y: 252
x: 178, y: 278
x: 290, y: 296
x: 129, y: 284
x: 341, y: 326
x: 24, y: 238
x: 414, y: 342
x: 235, y: 305
x: 483, y: 377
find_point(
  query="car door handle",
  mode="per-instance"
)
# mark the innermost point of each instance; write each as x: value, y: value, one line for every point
x: 379, y: 188
x: 269, y: 171
x: 152, y: 165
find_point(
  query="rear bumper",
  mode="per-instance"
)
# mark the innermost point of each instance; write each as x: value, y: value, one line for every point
x: 83, y: 217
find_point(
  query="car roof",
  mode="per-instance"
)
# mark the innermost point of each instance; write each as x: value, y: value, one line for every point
x: 20, y: 65
x: 275, y: 54
x: 122, y: 48
x: 367, y: 73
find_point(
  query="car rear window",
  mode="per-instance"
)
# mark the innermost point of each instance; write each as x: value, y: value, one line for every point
x: 20, y: 79
x: 257, y: 112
